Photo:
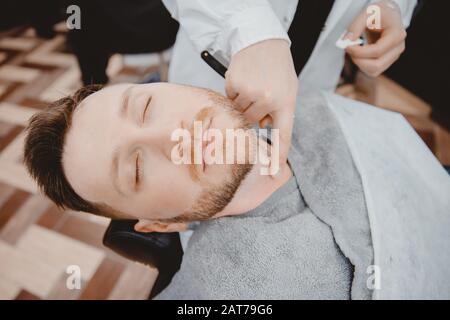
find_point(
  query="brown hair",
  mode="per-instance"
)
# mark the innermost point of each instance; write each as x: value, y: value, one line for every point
x: 43, y: 151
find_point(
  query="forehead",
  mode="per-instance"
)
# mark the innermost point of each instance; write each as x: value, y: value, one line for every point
x: 102, y: 99
x: 89, y: 140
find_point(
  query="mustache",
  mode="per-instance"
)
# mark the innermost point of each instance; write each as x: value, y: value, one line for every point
x: 201, y: 116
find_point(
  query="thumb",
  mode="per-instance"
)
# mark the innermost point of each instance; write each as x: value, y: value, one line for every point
x: 229, y: 87
x: 357, y: 28
x: 265, y: 121
x: 283, y: 121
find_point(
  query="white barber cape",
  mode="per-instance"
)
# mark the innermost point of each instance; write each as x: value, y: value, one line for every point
x: 225, y: 27
x: 407, y: 194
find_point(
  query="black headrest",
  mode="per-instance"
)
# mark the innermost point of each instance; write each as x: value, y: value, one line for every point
x: 160, y: 250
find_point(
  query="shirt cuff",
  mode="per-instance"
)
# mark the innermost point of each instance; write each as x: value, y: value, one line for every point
x: 248, y: 27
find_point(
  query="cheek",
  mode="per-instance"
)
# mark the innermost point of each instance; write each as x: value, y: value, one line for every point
x: 217, y: 174
x: 173, y: 192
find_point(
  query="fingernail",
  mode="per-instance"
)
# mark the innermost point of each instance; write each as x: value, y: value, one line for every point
x: 349, y: 36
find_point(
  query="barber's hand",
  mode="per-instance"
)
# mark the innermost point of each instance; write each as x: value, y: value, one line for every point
x: 386, y: 43
x: 261, y: 79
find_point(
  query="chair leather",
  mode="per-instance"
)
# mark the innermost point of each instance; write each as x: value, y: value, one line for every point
x: 160, y: 250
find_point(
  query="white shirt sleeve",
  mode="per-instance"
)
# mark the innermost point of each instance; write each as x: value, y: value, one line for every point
x: 407, y: 9
x: 226, y: 27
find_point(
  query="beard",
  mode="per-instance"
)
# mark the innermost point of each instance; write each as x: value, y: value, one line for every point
x: 215, y: 199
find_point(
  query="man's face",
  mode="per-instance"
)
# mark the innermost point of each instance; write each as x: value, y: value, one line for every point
x: 118, y: 151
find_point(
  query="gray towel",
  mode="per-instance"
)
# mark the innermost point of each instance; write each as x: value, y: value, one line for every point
x: 279, y: 250
x: 331, y: 184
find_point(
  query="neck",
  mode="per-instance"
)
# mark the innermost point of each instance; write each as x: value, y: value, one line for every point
x: 255, y: 189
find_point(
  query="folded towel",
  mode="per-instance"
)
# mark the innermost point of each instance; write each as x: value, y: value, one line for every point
x: 331, y: 184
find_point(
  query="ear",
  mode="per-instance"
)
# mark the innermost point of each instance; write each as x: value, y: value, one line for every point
x: 155, y: 226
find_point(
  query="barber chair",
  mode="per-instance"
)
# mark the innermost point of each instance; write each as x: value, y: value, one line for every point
x: 162, y: 251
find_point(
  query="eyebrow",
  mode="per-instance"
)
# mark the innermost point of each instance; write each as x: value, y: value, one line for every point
x: 125, y: 102
x: 114, y: 172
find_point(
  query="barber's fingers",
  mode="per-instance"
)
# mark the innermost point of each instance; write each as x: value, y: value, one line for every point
x: 243, y: 102
x: 283, y: 120
x: 230, y: 89
x: 389, y: 39
x: 358, y: 26
x: 375, y: 67
x: 256, y: 111
x: 238, y: 93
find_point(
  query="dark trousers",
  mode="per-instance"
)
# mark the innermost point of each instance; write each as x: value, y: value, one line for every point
x: 117, y: 26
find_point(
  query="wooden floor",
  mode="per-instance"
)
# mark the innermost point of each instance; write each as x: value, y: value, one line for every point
x: 37, y: 241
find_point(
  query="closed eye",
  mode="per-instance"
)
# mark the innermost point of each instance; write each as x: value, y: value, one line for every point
x: 137, y: 178
x: 145, y: 109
